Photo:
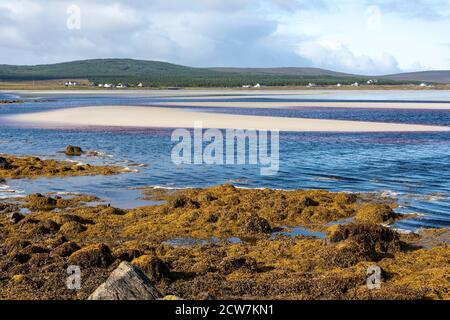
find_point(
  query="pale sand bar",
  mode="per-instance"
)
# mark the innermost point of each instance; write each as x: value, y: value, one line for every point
x: 155, y: 117
x: 368, y: 105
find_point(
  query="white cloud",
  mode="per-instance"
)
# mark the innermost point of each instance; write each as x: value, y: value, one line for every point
x: 335, y: 55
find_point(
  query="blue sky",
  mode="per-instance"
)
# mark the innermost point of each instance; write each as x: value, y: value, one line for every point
x: 357, y: 36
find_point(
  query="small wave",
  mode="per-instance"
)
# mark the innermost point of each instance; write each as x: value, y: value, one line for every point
x: 8, y: 192
x: 127, y: 169
x: 98, y: 154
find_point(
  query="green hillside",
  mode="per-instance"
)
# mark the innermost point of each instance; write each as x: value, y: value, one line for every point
x: 162, y: 74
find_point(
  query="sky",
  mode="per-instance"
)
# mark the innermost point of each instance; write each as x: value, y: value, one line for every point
x: 357, y: 36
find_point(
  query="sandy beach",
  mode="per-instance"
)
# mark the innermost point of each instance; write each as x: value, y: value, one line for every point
x: 333, y: 104
x: 138, y: 116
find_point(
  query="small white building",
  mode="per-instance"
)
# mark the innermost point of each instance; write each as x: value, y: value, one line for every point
x: 423, y: 84
x: 107, y: 85
x: 338, y: 85
x: 246, y: 86
x: 100, y: 85
x: 71, y: 83
x: 356, y: 84
x: 257, y: 85
x: 140, y: 85
x: 121, y: 86
x: 310, y: 85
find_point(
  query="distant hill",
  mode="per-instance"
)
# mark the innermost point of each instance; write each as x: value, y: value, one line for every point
x: 440, y: 76
x: 290, y: 71
x: 163, y: 74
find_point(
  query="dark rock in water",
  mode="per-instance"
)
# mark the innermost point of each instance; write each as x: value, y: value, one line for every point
x: 256, y: 224
x: 4, y: 164
x: 127, y: 282
x: 15, y: 217
x: 96, y: 255
x: 73, y: 151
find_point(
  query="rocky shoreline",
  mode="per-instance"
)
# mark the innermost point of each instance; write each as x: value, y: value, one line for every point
x: 238, y: 250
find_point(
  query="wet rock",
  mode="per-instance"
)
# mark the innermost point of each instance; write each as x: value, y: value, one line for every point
x: 376, y: 213
x: 65, y: 249
x: 153, y: 267
x: 95, y: 255
x: 127, y: 282
x: 73, y: 151
x: 4, y: 164
x: 256, y: 224
x: 15, y: 217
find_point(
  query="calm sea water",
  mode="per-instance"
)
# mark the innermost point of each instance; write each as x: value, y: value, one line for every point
x: 413, y: 167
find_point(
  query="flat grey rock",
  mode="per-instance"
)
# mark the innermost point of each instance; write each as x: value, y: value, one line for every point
x: 126, y: 282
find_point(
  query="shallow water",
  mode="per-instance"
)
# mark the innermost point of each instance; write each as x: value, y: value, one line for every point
x: 413, y: 167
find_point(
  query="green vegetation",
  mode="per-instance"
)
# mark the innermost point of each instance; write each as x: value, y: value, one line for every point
x: 162, y: 74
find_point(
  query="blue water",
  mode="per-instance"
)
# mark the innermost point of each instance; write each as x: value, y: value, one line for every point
x: 413, y: 167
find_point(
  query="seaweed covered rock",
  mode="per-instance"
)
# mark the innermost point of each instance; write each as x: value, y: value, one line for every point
x: 256, y: 224
x: 73, y: 151
x: 356, y: 242
x: 95, y: 255
x: 65, y: 249
x: 127, y: 254
x: 153, y: 267
x: 376, y: 213
x: 31, y: 167
x: 71, y: 228
x: 126, y: 282
x: 182, y: 201
x: 38, y: 201
x: 229, y: 265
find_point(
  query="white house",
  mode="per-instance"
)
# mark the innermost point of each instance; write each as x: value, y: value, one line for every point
x: 140, y: 85
x: 257, y: 85
x: 356, y: 84
x: 338, y: 85
x: 310, y: 85
x: 100, y: 85
x: 71, y: 83
x: 121, y: 86
x: 423, y: 84
x: 108, y: 85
